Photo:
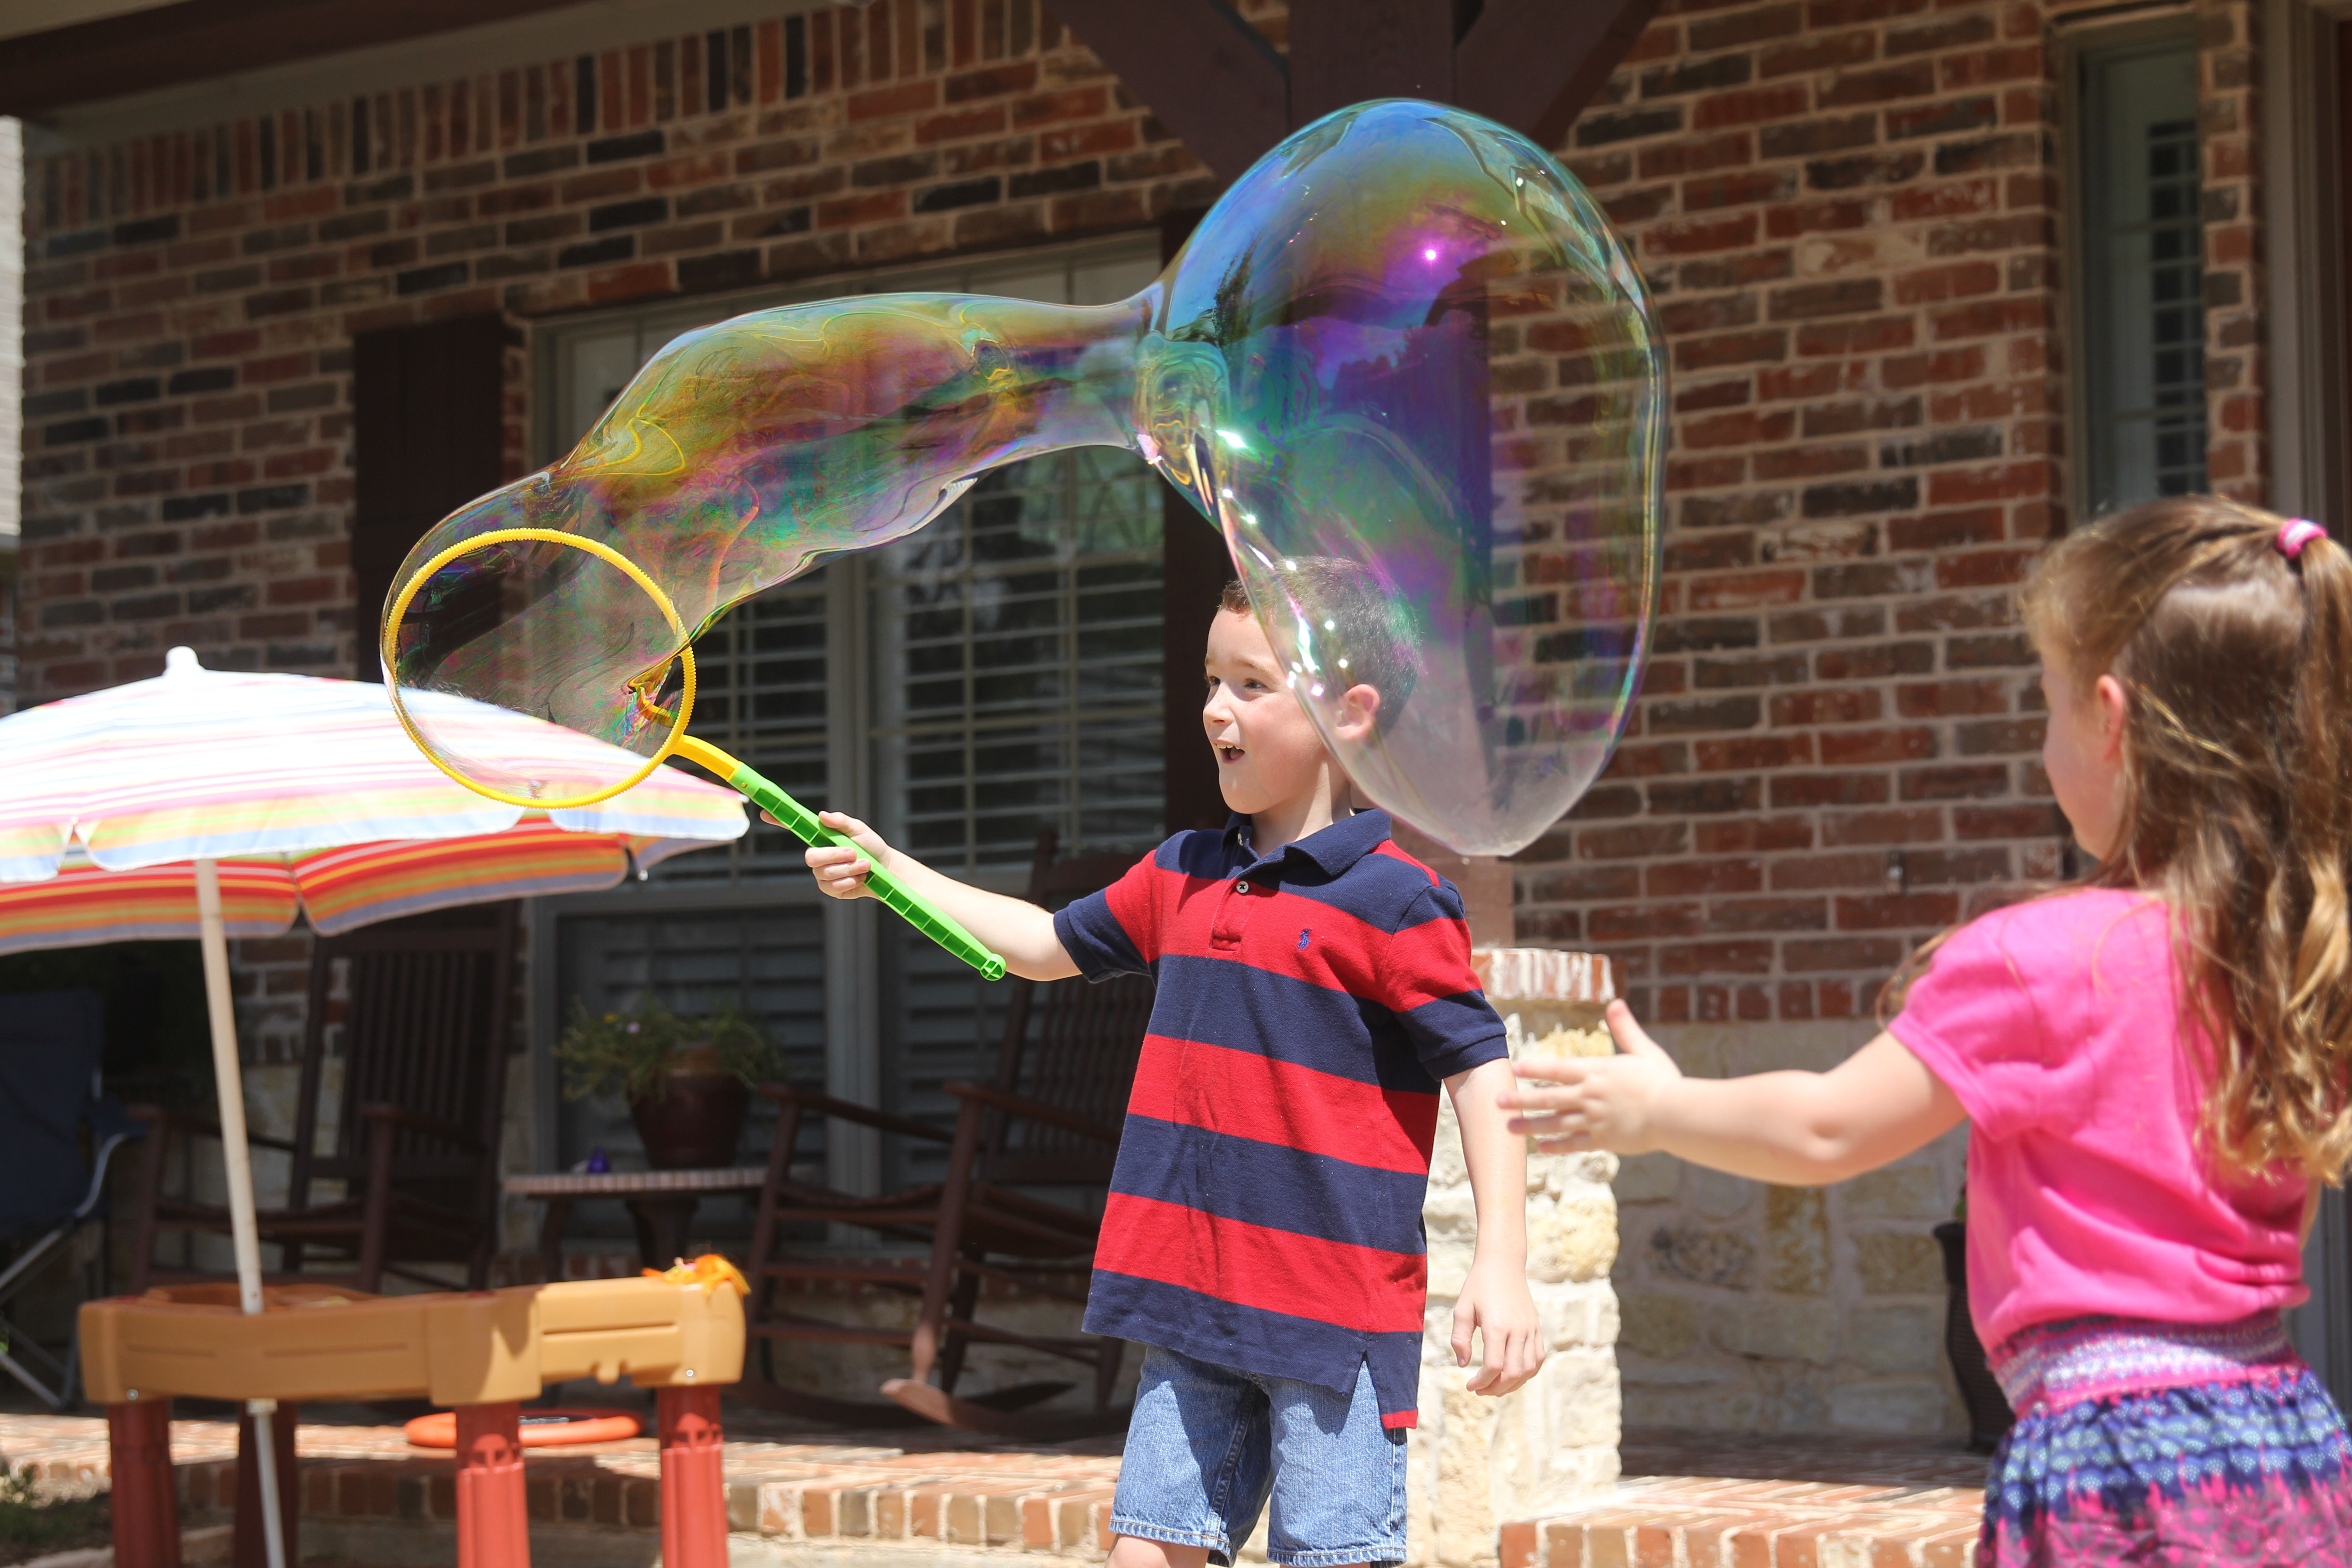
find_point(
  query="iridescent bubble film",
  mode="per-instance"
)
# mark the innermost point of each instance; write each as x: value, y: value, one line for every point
x: 1404, y: 365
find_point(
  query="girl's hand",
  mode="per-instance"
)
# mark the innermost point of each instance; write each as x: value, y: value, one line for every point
x: 1596, y: 1103
x: 841, y: 870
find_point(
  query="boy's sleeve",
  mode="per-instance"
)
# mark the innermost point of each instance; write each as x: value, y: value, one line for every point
x: 1970, y: 1020
x: 1115, y: 931
x: 1432, y: 990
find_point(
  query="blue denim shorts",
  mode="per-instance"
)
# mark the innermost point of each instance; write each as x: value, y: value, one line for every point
x: 1209, y: 1446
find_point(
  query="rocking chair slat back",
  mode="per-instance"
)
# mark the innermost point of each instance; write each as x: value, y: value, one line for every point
x: 424, y: 1030
x: 1070, y: 1044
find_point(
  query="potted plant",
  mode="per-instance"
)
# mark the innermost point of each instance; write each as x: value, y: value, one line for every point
x: 1990, y: 1417
x: 688, y: 1080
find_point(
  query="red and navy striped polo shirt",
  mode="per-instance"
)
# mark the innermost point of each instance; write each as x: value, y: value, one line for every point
x: 1265, y: 1212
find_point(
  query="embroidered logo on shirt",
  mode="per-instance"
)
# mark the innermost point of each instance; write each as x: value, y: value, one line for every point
x: 1304, y: 932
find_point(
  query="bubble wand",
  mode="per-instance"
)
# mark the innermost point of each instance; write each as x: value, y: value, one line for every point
x: 739, y: 777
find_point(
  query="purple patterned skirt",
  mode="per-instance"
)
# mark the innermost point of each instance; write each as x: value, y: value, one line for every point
x: 2152, y: 1444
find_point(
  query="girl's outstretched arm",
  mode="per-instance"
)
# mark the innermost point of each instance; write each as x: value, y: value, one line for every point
x: 1796, y: 1129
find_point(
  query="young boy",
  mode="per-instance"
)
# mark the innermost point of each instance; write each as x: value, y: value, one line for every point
x: 1262, y: 1234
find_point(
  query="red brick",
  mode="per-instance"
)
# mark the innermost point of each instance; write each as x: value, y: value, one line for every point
x: 900, y: 98
x: 1748, y: 106
x: 1807, y: 954
x: 1700, y: 235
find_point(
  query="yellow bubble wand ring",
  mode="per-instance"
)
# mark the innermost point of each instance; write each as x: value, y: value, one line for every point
x: 916, y: 909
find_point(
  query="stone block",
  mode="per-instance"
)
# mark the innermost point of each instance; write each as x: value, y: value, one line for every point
x: 1891, y: 1405
x: 1898, y: 1192
x: 1797, y: 1240
x: 1721, y: 1406
x: 1702, y: 1255
x: 1778, y: 1330
x: 1899, y: 1263
x: 1572, y: 1238
x: 1716, y: 1195
x: 1658, y: 1325
x: 1648, y: 1178
x: 1896, y: 1338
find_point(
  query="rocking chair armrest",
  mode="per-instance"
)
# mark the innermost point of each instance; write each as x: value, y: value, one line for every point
x: 391, y: 1116
x: 1034, y: 1110
x: 849, y: 1111
x: 162, y: 1121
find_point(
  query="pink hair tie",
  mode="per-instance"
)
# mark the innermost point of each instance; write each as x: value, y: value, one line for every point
x: 2295, y: 533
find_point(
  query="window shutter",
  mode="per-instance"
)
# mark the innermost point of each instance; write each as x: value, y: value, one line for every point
x: 1194, y: 570
x: 429, y: 434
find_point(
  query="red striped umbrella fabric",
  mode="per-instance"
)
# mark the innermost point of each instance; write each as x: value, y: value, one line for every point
x: 313, y: 800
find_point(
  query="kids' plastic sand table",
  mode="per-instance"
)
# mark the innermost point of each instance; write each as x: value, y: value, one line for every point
x: 480, y: 1352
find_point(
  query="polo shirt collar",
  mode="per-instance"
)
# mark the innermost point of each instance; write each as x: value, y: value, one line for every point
x: 1333, y: 849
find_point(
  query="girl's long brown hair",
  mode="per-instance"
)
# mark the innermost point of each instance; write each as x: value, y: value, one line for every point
x: 2237, y: 666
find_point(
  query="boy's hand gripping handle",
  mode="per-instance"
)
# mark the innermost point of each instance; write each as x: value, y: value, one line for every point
x: 916, y: 911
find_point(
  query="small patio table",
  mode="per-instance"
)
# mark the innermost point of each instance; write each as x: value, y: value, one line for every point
x: 661, y: 1202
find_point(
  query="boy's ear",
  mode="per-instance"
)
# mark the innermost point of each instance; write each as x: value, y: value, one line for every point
x: 1359, y: 710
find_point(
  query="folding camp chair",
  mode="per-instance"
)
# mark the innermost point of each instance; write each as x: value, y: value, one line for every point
x: 50, y: 1042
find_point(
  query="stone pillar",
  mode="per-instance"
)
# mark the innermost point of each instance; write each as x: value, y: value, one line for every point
x: 1476, y: 1462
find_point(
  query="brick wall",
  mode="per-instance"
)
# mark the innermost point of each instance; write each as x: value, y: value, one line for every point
x: 1848, y: 210
x: 2237, y: 455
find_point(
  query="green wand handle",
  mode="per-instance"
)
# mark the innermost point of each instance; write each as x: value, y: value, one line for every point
x: 912, y: 907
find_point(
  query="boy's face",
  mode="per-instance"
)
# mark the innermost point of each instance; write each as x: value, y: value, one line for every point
x: 1268, y: 754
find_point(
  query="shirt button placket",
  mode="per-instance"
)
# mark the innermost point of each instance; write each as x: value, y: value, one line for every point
x: 1233, y: 914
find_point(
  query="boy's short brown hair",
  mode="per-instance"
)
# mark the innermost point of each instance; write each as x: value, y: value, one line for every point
x: 1366, y: 625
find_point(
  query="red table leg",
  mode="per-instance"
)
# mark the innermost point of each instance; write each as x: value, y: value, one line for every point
x: 146, y: 1514
x: 693, y: 1478
x: 493, y: 1518
x: 248, y: 1548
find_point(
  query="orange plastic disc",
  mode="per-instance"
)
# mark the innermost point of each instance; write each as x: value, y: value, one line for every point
x: 541, y: 1428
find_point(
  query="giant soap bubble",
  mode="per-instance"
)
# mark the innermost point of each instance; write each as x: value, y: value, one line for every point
x: 1404, y: 365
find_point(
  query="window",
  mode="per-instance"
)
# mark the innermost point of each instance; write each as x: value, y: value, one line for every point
x: 996, y: 673
x: 2142, y: 381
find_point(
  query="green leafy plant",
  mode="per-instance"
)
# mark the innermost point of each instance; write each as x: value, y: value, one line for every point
x: 32, y: 1525
x: 630, y: 1053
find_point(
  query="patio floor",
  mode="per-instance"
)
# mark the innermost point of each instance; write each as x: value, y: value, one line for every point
x: 1753, y: 1500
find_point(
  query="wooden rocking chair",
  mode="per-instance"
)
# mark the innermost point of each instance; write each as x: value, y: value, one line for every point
x: 1051, y: 1116
x: 416, y: 1127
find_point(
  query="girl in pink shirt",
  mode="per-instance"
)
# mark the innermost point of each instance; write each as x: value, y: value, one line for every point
x: 2153, y: 1061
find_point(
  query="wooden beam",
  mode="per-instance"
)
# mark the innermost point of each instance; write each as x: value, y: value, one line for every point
x: 196, y: 40
x: 1208, y: 75
x: 1345, y: 51
x: 1533, y: 65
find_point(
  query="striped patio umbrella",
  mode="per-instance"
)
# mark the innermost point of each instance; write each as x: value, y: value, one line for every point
x: 308, y: 794
x: 209, y: 805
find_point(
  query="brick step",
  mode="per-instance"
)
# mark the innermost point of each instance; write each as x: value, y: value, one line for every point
x: 1691, y: 1522
x: 365, y: 1485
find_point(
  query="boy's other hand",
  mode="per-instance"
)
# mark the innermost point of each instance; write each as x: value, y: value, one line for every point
x: 840, y: 869
x: 1596, y: 1103
x: 1495, y: 1304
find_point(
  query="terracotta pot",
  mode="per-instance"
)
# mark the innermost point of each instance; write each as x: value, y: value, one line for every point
x: 696, y: 1122
x: 1990, y: 1417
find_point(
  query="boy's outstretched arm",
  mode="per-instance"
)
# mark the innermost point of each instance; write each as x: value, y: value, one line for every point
x: 1019, y: 931
x: 1796, y: 1129
x: 1494, y: 1300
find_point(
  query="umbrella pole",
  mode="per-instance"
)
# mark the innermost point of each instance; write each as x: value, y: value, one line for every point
x: 245, y: 1236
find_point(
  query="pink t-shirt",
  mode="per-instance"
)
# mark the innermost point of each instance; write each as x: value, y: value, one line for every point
x: 2056, y: 1024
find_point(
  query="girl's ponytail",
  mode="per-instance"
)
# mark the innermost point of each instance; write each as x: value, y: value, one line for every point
x: 2316, y: 1024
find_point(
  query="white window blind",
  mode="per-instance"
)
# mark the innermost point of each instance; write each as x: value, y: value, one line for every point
x: 993, y: 675
x: 2143, y: 371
